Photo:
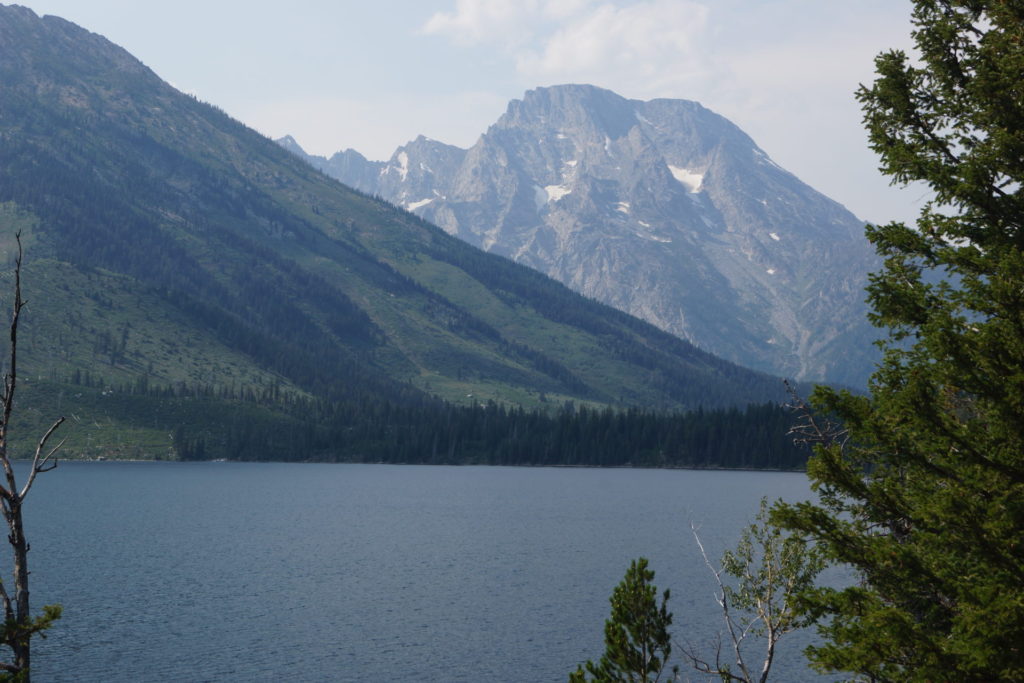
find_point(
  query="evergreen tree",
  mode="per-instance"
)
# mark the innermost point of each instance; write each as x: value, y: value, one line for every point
x: 923, y: 493
x: 636, y: 637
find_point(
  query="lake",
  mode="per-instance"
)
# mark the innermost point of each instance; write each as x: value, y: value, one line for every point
x: 309, y: 572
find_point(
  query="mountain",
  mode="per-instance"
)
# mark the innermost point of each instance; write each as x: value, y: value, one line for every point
x: 175, y: 255
x: 663, y: 209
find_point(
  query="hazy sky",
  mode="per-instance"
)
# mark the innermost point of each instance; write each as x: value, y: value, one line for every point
x: 373, y: 74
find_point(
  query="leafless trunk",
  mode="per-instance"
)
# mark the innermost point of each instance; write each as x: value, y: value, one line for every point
x: 737, y: 633
x: 769, y: 571
x: 19, y: 625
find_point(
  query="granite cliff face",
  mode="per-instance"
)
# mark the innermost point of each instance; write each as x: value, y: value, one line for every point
x: 663, y: 209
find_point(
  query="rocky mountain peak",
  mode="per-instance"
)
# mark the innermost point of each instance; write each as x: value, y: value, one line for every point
x: 663, y: 209
x: 292, y: 145
x: 575, y: 108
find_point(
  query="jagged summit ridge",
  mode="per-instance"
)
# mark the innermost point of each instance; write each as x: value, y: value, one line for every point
x: 661, y: 208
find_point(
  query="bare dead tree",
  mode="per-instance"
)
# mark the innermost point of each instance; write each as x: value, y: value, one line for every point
x: 811, y: 428
x: 769, y: 569
x: 19, y: 625
x: 737, y: 633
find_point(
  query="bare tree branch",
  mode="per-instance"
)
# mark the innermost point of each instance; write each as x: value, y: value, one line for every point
x: 722, y: 598
x: 812, y: 428
x: 770, y: 568
x: 6, y: 600
x: 10, y: 380
x: 19, y: 625
x: 38, y: 463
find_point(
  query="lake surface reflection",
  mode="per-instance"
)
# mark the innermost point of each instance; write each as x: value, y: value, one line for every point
x: 306, y: 572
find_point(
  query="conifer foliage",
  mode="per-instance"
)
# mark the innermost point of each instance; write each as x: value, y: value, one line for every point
x: 636, y: 637
x: 923, y: 493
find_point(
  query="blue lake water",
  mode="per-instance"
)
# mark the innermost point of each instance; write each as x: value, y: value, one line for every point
x: 306, y: 572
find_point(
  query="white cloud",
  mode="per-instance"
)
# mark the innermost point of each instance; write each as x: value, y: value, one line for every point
x: 644, y: 48
x: 508, y: 22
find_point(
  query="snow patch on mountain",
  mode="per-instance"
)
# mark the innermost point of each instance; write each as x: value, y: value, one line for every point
x: 653, y: 238
x: 403, y: 161
x: 763, y: 158
x: 412, y: 206
x: 690, y: 179
x: 556, y: 192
